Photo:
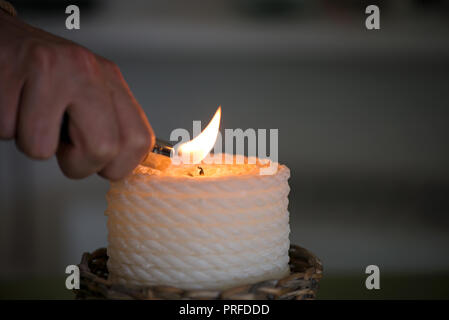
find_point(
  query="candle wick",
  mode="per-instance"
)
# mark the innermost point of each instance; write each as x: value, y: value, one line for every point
x: 201, y: 171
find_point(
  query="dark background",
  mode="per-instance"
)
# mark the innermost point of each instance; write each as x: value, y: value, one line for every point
x: 362, y: 118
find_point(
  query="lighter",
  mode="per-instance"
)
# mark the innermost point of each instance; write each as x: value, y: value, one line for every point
x: 159, y: 157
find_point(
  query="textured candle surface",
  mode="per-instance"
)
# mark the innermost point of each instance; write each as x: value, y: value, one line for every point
x: 198, y: 226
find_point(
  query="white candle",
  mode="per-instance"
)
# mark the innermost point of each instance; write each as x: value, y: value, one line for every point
x: 207, y: 226
x: 227, y: 227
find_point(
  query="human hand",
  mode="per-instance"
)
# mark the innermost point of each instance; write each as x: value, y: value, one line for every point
x: 45, y: 78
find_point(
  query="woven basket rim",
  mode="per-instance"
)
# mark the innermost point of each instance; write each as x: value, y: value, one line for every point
x: 306, y: 270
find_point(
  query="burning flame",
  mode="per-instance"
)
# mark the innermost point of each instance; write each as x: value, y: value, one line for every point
x: 201, y: 145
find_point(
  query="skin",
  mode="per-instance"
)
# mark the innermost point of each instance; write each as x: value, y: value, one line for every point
x: 44, y: 79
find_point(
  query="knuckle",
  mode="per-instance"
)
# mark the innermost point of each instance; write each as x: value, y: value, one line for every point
x: 112, y: 66
x: 41, y: 55
x: 104, y: 149
x: 79, y: 53
x: 34, y: 140
x: 140, y: 141
x: 83, y: 60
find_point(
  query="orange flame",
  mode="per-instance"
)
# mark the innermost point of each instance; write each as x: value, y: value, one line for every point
x: 201, y: 145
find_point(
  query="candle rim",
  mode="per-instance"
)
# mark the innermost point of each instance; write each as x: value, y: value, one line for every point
x: 142, y: 172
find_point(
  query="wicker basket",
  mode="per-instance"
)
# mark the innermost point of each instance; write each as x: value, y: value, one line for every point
x: 301, y: 283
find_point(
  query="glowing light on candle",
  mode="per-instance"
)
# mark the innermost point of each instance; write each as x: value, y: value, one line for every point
x: 201, y: 145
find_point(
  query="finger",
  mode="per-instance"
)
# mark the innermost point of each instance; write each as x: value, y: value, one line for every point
x: 94, y: 135
x: 39, y: 117
x: 10, y: 91
x: 136, y: 135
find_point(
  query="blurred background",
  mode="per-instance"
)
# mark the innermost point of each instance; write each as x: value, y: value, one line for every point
x: 362, y: 118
